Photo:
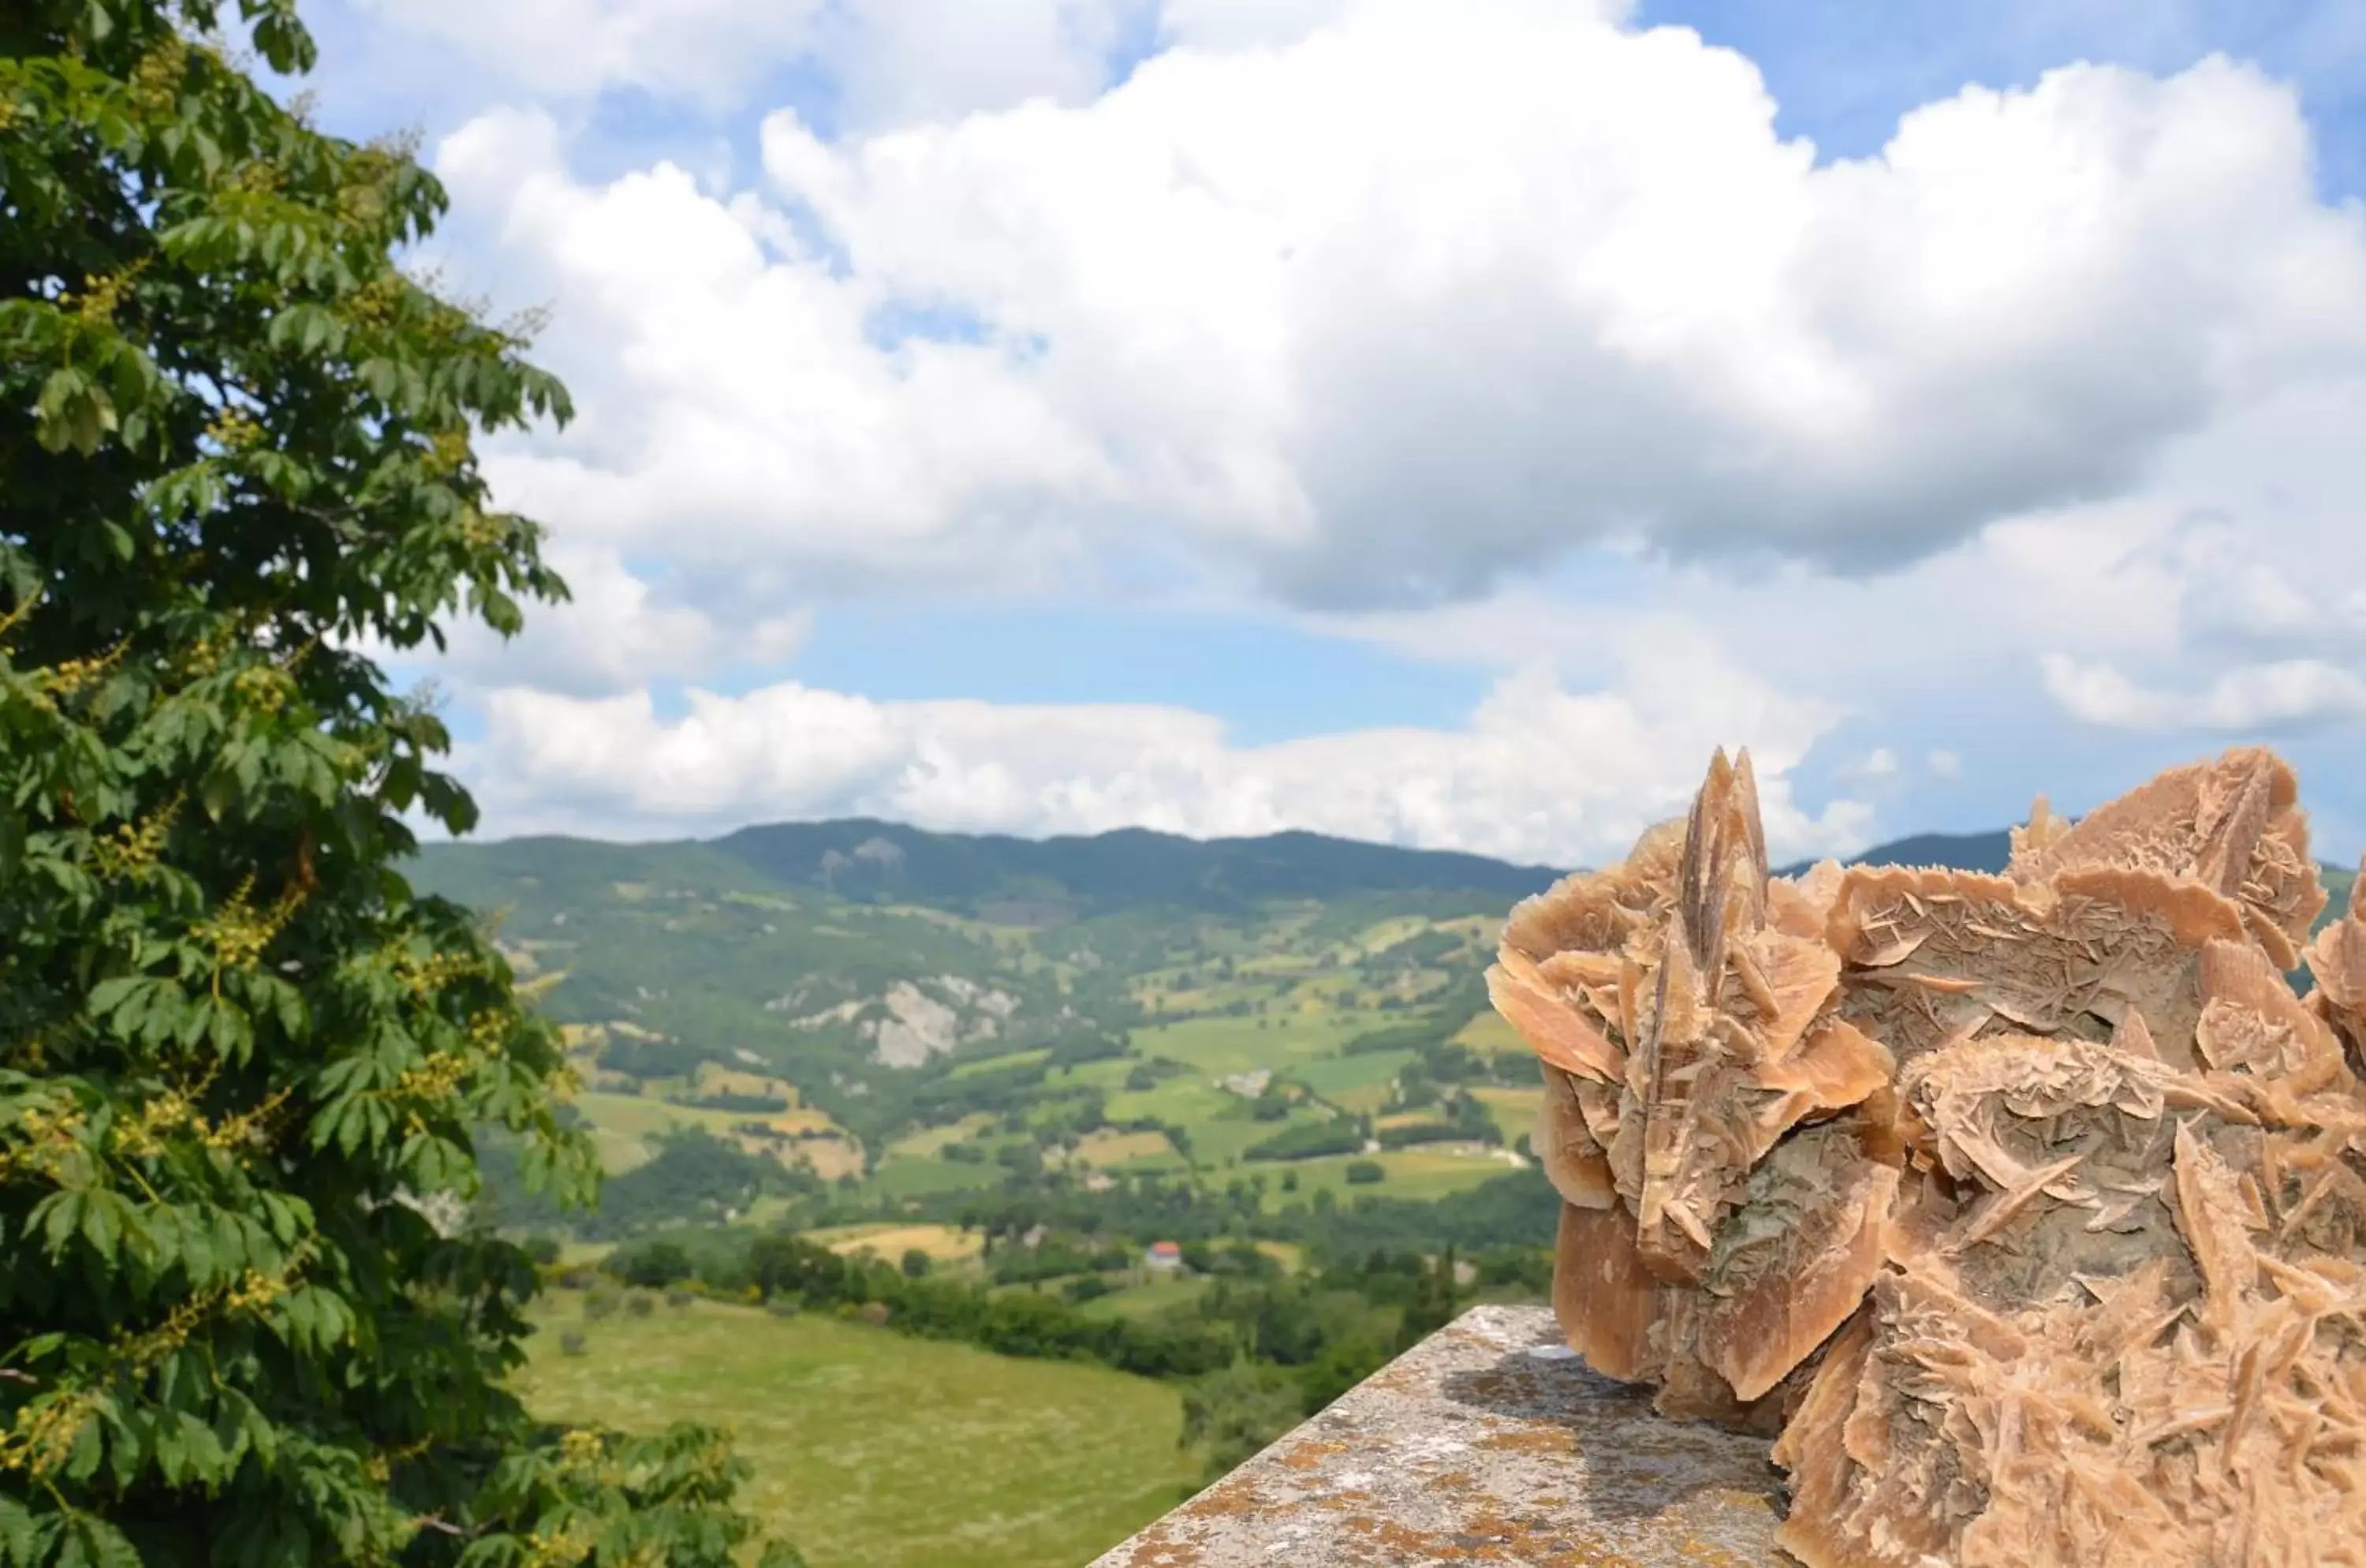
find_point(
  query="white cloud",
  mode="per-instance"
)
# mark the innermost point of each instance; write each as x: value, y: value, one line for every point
x: 615, y: 632
x: 1500, y: 333
x: 1538, y: 774
x: 905, y: 61
x: 2285, y: 695
x: 2241, y: 548
x: 1426, y: 297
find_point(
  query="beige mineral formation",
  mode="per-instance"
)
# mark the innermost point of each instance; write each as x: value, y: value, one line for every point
x: 2027, y: 1214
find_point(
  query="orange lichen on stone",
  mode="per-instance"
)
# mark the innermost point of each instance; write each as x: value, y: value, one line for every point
x: 2029, y: 1209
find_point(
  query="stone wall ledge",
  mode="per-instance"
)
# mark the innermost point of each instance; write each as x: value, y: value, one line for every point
x: 1486, y: 1443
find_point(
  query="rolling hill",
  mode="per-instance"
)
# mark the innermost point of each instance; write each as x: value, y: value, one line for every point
x: 906, y: 1013
x: 909, y: 1015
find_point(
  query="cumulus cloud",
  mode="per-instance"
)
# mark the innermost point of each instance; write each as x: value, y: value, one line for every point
x: 1504, y: 333
x: 1423, y: 297
x: 2288, y: 694
x: 615, y: 632
x: 1538, y: 774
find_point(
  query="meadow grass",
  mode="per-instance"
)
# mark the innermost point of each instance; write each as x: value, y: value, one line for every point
x: 1515, y: 1109
x: 929, y: 1142
x: 1109, y: 1147
x: 633, y: 1116
x: 874, y: 1450
x: 901, y: 1176
x: 1487, y: 1034
x: 941, y: 1244
x: 1357, y: 1084
x: 975, y: 1065
x: 1154, y: 1292
x: 1423, y: 1173
x: 1220, y: 1045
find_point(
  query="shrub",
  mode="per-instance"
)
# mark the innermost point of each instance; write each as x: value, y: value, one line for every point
x: 599, y: 1301
x: 678, y: 1297
x: 1364, y: 1172
x: 572, y: 1343
x: 651, y: 1265
x: 640, y: 1303
x: 1229, y: 1415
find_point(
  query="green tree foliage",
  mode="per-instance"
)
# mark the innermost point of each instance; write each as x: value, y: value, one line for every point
x: 1339, y: 1135
x: 1229, y: 1415
x: 241, y: 1064
x: 652, y: 1265
x: 695, y: 1176
x: 1435, y: 1299
x: 1018, y: 1322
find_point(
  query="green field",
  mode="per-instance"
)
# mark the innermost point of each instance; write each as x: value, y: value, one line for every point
x: 872, y: 1450
x: 1155, y: 1293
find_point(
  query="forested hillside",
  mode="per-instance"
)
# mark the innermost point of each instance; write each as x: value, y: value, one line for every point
x: 895, y: 1014
x: 874, y: 1017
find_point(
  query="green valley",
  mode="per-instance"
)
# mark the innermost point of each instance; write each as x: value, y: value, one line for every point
x: 890, y: 1017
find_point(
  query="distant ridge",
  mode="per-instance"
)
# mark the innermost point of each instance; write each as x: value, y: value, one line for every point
x: 1957, y: 851
x: 1021, y: 881
x: 1126, y: 868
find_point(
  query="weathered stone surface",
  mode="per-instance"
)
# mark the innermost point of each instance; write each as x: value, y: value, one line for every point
x: 1488, y: 1442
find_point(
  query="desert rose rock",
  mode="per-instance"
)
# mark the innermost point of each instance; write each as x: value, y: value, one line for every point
x: 2027, y: 1212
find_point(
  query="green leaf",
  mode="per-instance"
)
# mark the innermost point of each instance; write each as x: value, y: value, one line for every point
x: 89, y: 1448
x: 18, y: 1533
x: 103, y: 1215
x: 73, y: 411
x: 218, y: 794
x: 110, y: 995
x: 92, y: 1542
x: 60, y: 1218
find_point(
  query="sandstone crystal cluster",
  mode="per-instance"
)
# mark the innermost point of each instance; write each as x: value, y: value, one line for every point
x: 2027, y: 1214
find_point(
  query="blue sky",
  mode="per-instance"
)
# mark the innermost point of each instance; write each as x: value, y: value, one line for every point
x: 1442, y: 424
